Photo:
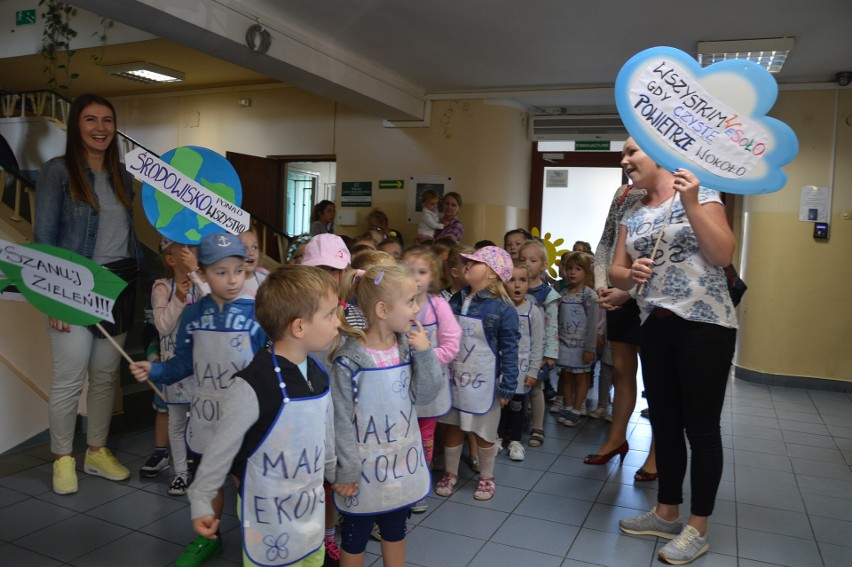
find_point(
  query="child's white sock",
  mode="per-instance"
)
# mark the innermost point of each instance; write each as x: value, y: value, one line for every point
x: 486, y: 461
x: 452, y: 456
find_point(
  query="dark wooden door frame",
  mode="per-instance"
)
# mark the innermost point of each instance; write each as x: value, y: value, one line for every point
x: 569, y: 159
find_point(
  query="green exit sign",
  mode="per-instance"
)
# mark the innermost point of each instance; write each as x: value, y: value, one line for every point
x: 25, y: 17
x: 591, y: 146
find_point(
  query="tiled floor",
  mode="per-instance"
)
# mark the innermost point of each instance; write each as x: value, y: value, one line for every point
x: 785, y: 499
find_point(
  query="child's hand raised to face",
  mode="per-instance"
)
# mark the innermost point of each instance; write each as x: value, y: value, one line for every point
x: 419, y: 339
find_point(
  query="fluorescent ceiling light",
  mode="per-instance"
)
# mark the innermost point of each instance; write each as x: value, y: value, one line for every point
x: 144, y: 72
x: 768, y: 53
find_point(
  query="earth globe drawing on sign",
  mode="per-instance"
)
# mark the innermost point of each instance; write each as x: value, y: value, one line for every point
x: 211, y: 171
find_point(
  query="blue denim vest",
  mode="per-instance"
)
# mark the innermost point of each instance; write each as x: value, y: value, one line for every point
x: 500, y: 320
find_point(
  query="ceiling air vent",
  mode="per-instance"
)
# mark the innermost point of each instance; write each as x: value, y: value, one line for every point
x: 576, y: 127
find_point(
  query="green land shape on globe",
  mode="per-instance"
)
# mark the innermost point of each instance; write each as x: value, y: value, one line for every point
x: 188, y: 162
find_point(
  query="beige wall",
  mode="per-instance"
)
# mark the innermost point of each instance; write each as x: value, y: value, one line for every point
x: 484, y: 147
x: 796, y: 318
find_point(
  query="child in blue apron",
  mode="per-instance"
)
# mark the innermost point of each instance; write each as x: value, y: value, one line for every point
x: 534, y: 255
x: 378, y: 376
x: 217, y: 336
x: 531, y: 327
x: 578, y: 327
x: 280, y: 434
x: 484, y: 374
x: 444, y: 334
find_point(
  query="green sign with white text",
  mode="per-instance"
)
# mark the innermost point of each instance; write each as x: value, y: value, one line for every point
x: 591, y: 146
x: 25, y: 17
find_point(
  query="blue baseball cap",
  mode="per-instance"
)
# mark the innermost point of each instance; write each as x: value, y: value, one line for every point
x: 220, y: 245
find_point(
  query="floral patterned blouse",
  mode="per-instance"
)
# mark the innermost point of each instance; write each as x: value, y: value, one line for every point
x: 684, y: 281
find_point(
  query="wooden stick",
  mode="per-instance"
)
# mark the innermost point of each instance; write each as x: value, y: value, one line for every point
x: 127, y: 358
x: 660, y: 237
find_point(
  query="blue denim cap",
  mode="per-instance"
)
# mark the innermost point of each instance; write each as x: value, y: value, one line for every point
x: 220, y: 245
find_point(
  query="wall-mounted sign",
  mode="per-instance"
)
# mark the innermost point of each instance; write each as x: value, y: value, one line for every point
x: 356, y: 194
x: 391, y: 183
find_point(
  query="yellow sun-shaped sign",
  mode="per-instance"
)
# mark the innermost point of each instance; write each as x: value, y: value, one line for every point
x: 553, y: 254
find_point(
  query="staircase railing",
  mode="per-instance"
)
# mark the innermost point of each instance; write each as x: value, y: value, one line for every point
x: 53, y: 106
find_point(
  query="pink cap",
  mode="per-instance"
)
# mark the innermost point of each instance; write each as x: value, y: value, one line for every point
x: 495, y: 258
x: 326, y: 250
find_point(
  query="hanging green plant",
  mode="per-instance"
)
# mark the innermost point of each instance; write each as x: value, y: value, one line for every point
x: 101, y: 34
x: 56, y: 44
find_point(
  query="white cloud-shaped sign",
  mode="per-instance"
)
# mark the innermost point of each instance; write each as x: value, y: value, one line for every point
x: 712, y: 121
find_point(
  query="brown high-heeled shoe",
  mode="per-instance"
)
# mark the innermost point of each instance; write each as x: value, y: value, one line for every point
x: 621, y: 450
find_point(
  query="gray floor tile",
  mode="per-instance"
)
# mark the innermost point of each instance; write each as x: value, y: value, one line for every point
x: 569, y: 486
x: 19, y: 462
x: 454, y: 549
x: 808, y: 439
x: 176, y: 528
x: 763, y: 460
x: 839, y: 431
x: 462, y: 519
x: 72, y: 538
x: 754, y: 421
x: 134, y: 549
x: 804, y: 422
x: 505, y: 498
x: 828, y: 507
x: 829, y: 530
x: 29, y: 516
x: 552, y: 445
x: 756, y: 445
x: 604, y: 518
x: 780, y: 549
x: 745, y: 405
x: 576, y: 467
x: 92, y: 492
x: 635, y: 497
x: 835, y: 487
x: 822, y: 469
x: 554, y: 508
x: 11, y: 554
x: 516, y: 477
x: 830, y: 455
x: 836, y: 555
x: 535, y: 460
x: 796, y: 411
x: 498, y: 555
x: 537, y: 535
x: 774, y: 521
x: 758, y: 432
x: 750, y: 563
x: 32, y: 481
x: 841, y: 419
x: 9, y: 497
x: 137, y: 509
x: 612, y: 549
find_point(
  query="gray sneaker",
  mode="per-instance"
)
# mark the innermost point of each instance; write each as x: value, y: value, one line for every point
x: 685, y: 548
x: 651, y: 524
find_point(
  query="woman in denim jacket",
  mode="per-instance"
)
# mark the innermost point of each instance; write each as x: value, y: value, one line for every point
x: 83, y: 204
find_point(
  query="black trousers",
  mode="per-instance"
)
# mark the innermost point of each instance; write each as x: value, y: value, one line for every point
x: 685, y: 365
x: 512, y: 419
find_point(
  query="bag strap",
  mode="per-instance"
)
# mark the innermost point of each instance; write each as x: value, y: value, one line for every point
x: 624, y: 195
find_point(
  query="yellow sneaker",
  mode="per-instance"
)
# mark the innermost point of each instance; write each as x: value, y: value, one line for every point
x: 65, y: 475
x: 103, y: 463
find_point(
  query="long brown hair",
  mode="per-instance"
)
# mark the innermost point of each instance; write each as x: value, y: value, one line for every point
x: 75, y: 156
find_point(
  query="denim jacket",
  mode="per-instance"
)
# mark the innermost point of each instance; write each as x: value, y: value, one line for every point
x: 72, y: 224
x: 500, y: 320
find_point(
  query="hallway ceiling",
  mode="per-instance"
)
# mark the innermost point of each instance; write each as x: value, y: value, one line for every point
x: 389, y: 56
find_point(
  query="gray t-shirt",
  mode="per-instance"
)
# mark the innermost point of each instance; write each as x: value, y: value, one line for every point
x: 113, y: 240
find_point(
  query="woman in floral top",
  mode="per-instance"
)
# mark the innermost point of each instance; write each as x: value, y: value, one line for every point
x: 686, y: 338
